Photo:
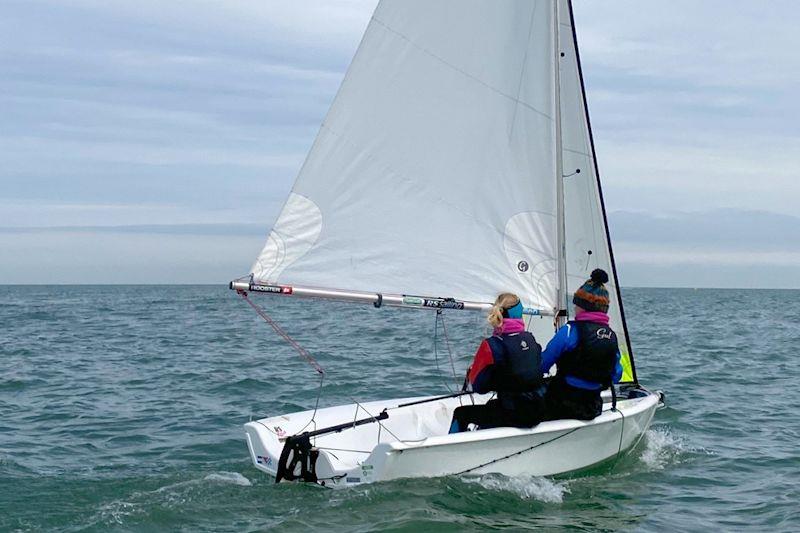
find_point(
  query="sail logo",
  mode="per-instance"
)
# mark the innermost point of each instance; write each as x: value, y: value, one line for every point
x: 603, y: 333
x: 443, y: 304
x: 273, y: 289
x: 523, y: 266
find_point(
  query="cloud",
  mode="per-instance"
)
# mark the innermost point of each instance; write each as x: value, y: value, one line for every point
x: 239, y: 230
x: 694, y: 43
x: 701, y: 173
x: 718, y: 248
x: 710, y: 231
x: 211, y: 108
x: 158, y: 114
x: 35, y: 214
x: 99, y: 257
x: 692, y: 102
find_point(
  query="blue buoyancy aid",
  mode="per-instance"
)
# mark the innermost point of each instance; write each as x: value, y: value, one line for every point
x: 594, y: 358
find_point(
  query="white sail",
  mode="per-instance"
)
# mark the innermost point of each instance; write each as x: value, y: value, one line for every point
x: 586, y: 232
x: 433, y: 173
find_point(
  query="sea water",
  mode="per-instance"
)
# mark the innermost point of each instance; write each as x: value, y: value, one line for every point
x: 121, y: 408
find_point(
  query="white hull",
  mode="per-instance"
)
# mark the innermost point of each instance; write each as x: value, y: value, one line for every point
x: 413, y: 441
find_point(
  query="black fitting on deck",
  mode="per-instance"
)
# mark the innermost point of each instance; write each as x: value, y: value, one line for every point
x: 298, y: 450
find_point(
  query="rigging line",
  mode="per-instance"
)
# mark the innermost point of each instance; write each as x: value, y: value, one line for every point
x: 493, y: 461
x: 313, y: 415
x: 428, y: 400
x: 300, y: 350
x: 316, y: 406
x: 375, y: 419
x: 280, y: 331
x: 266, y: 426
x: 618, y: 457
x: 331, y: 478
x: 436, y: 351
x: 621, y: 431
x: 328, y: 448
x: 449, y: 348
x: 450, y: 353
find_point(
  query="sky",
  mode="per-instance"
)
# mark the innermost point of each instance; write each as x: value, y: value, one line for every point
x: 154, y: 142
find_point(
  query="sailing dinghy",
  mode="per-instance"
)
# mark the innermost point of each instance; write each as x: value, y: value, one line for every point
x: 456, y: 162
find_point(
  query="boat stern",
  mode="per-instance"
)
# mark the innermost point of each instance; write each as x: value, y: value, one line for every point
x: 264, y: 446
x: 266, y: 439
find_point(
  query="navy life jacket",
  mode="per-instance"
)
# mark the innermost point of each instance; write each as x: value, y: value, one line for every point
x: 518, y: 360
x: 595, y: 356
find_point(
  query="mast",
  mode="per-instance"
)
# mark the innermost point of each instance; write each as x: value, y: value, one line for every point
x: 561, y: 310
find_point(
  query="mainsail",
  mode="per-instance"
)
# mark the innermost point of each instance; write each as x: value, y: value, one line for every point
x: 434, y: 173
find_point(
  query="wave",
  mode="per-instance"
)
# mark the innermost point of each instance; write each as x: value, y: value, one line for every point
x: 234, y: 478
x: 663, y: 448
x: 526, y: 487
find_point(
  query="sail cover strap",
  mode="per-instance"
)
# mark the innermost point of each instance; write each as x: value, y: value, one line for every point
x: 280, y: 331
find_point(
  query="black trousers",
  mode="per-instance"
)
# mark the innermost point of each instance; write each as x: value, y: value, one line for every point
x: 525, y: 414
x: 565, y: 401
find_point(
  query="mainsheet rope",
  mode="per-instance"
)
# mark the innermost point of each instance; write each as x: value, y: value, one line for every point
x: 280, y: 331
x: 520, y: 452
x: 300, y: 350
x: 440, y: 318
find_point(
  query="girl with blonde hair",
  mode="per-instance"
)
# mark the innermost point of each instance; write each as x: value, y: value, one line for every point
x: 507, y: 363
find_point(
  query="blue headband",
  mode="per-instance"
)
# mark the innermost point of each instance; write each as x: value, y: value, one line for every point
x: 514, y: 312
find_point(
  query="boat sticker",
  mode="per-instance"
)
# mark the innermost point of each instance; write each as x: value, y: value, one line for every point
x: 279, y: 431
x: 354, y: 480
x: 443, y: 304
x: 603, y: 333
x: 366, y: 471
x: 412, y: 300
x: 264, y: 460
x: 274, y: 289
